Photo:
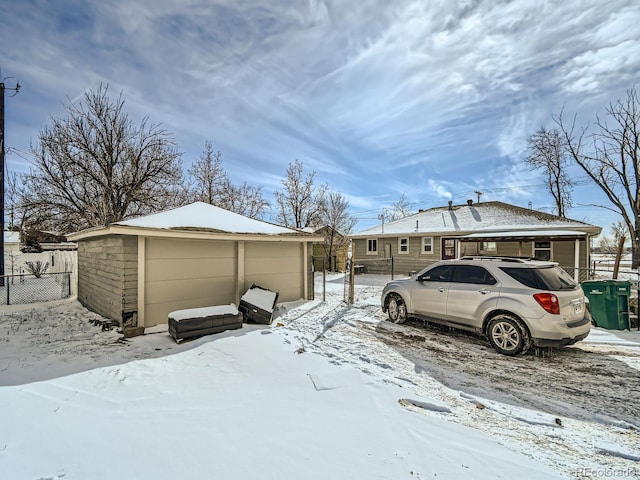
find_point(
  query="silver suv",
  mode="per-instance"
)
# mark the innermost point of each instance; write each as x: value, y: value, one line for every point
x: 514, y: 302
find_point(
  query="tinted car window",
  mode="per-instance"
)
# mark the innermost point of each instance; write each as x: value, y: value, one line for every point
x: 472, y: 274
x: 437, y: 274
x: 548, y: 278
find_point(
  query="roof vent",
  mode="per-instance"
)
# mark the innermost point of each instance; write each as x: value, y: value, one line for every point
x: 450, y: 204
x: 469, y: 202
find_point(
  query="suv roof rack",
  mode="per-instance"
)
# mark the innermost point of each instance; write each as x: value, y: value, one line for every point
x: 497, y: 259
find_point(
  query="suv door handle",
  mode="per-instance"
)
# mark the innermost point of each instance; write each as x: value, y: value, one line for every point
x: 484, y: 291
x: 441, y: 289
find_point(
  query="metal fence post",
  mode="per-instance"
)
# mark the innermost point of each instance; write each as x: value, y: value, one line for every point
x: 351, y: 286
x: 392, y: 267
x: 324, y: 281
x: 6, y: 283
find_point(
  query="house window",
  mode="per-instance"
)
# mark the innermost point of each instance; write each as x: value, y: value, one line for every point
x: 542, y: 250
x: 427, y: 244
x: 489, y: 246
x: 372, y: 246
x: 403, y: 245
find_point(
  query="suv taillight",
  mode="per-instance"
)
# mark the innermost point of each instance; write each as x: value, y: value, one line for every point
x: 549, y: 302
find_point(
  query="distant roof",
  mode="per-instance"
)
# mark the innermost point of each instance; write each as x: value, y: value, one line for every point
x: 482, y: 217
x: 11, y: 237
x: 199, y: 217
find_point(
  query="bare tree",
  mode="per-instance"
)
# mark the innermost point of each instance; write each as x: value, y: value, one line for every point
x: 12, y: 201
x: 95, y: 167
x: 209, y: 176
x: 614, y: 245
x: 620, y: 234
x: 337, y: 223
x: 212, y: 185
x: 246, y: 200
x: 612, y: 160
x: 22, y: 213
x: 547, y: 151
x: 300, y: 203
x: 398, y: 210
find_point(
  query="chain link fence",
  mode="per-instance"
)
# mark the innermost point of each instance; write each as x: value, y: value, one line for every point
x: 27, y: 288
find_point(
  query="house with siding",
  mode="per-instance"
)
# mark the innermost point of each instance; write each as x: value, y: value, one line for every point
x: 138, y: 271
x: 488, y: 228
x: 330, y: 254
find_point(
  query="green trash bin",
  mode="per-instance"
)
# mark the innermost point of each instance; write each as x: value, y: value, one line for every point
x: 609, y: 302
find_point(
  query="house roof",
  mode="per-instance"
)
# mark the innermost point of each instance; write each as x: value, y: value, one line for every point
x: 197, y: 217
x: 483, y: 218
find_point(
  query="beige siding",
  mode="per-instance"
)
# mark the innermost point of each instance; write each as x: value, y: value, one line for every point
x: 359, y: 247
x: 413, y: 260
x: 515, y: 249
x: 338, y: 261
x: 107, y: 275
x: 404, y: 263
x: 187, y: 274
x: 469, y: 248
x: 564, y: 253
x: 276, y: 266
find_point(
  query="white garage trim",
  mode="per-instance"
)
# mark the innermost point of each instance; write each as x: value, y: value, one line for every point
x: 142, y: 255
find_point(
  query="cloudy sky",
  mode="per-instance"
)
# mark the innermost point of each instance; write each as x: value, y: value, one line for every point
x: 433, y: 99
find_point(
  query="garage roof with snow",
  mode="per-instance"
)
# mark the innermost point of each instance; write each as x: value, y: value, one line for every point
x: 208, y: 217
x: 198, y: 217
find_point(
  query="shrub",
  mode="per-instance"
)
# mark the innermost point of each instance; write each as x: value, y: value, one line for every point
x: 37, y: 268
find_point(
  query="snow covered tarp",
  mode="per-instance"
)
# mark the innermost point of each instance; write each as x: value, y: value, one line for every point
x: 257, y: 304
x: 196, y: 322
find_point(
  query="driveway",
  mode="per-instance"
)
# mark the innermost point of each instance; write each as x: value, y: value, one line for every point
x: 585, y: 381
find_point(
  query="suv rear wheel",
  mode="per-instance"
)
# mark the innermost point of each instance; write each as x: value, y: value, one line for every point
x: 507, y: 335
x: 396, y: 309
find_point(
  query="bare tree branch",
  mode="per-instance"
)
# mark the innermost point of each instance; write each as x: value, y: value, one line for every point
x: 212, y: 185
x: 94, y: 167
x: 613, y: 160
x: 300, y: 202
x: 337, y: 223
x: 547, y: 151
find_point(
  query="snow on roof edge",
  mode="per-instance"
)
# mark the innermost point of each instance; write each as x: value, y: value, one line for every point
x: 198, y: 217
x: 487, y: 216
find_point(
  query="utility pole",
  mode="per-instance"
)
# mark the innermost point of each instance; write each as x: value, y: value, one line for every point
x: 2, y: 89
x: 381, y: 216
x: 479, y: 194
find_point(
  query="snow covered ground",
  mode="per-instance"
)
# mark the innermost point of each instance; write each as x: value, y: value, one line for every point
x: 328, y: 391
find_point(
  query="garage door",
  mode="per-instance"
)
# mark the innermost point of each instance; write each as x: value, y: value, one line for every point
x: 187, y: 274
x: 276, y: 266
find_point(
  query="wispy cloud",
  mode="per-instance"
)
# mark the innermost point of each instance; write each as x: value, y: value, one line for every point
x: 431, y: 99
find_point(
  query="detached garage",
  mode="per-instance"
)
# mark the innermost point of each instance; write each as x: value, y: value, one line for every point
x: 138, y: 271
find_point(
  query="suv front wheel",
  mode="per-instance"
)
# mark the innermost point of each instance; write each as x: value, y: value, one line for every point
x: 507, y: 335
x: 396, y: 309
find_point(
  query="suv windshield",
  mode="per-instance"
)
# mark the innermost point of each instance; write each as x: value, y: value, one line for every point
x: 547, y: 278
